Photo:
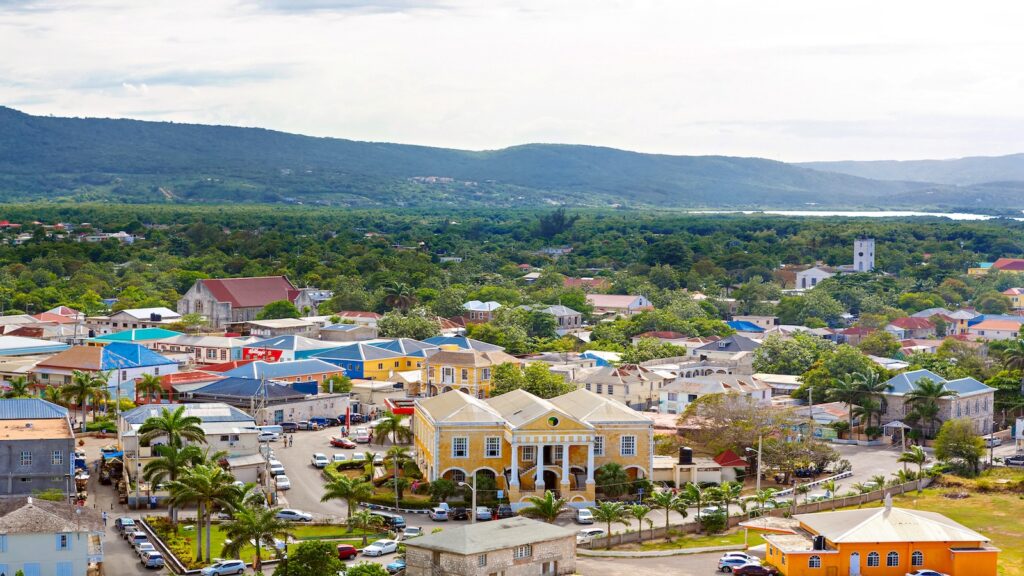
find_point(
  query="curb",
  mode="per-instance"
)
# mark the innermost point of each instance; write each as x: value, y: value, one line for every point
x: 657, y: 553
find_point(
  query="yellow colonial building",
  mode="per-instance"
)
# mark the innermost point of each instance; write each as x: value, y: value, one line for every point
x: 528, y: 444
x: 469, y: 371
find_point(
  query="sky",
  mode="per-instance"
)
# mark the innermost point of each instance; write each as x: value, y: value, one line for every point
x: 792, y: 80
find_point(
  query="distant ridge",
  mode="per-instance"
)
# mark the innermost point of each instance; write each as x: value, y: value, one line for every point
x: 55, y: 158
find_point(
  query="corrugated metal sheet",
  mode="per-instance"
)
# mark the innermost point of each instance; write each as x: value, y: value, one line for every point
x: 29, y: 409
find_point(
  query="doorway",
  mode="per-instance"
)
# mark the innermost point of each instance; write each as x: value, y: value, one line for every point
x: 855, y: 564
x: 550, y: 480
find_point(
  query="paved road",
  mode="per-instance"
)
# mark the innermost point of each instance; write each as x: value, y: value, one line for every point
x: 688, y: 565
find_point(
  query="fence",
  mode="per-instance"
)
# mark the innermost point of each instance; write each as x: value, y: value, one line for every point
x: 806, y: 508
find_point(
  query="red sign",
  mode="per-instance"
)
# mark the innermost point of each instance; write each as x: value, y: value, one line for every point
x: 261, y: 354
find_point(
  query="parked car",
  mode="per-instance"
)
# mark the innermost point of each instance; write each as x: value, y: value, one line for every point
x: 289, y: 427
x: 224, y: 567
x: 378, y: 458
x: 123, y: 524
x: 755, y: 570
x: 152, y: 559
x: 358, y: 456
x: 143, y: 546
x: 294, y: 515
x: 439, y: 515
x: 458, y: 513
x: 392, y: 521
x: 584, y: 516
x: 926, y: 572
x: 993, y: 441
x: 305, y: 425
x: 320, y: 421
x: 711, y: 510
x: 339, y: 458
x: 362, y: 435
x: 396, y: 566
x: 1014, y: 460
x: 283, y: 482
x: 742, y: 555
x: 136, y: 537
x: 730, y: 563
x: 268, y: 437
x: 381, y: 547
x: 276, y: 467
x: 483, y: 513
x: 587, y: 535
x: 505, y: 511
x: 339, y: 442
x: 320, y: 460
x: 347, y: 551
x: 354, y: 418
x: 412, y: 532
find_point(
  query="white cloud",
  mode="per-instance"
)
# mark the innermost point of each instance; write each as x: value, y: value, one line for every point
x: 796, y: 80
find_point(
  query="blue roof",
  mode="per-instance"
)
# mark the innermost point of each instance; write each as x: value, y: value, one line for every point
x: 901, y: 384
x: 357, y: 352
x: 291, y: 342
x: 138, y: 334
x: 744, y: 326
x: 406, y: 346
x: 207, y: 412
x: 463, y: 342
x: 982, y: 317
x: 121, y: 355
x: 261, y: 369
x: 18, y: 345
x: 30, y: 409
x: 340, y: 327
x: 247, y: 388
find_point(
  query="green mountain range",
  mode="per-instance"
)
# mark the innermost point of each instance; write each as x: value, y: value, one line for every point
x: 43, y: 157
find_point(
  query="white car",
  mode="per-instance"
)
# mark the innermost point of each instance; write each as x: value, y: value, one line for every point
x: 276, y: 468
x: 378, y: 458
x: 143, y: 547
x: 268, y: 437
x: 411, y: 532
x: 320, y: 460
x: 224, y: 568
x: 358, y: 457
x: 587, y: 535
x: 362, y: 435
x: 294, y: 515
x: 381, y: 547
x: 282, y: 482
x: 742, y: 555
x: 584, y: 516
x: 926, y: 572
x: 339, y: 458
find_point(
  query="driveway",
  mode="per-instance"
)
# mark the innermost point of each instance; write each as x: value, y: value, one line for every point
x: 682, y: 565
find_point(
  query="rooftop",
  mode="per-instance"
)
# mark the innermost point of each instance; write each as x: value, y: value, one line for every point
x: 207, y: 412
x: 16, y: 345
x: 250, y: 292
x: 34, y: 429
x: 281, y: 323
x: 469, y: 539
x: 147, y: 313
x: 138, y: 334
x: 30, y: 409
x: 887, y: 525
x: 261, y: 369
x: 247, y: 389
x: 34, y: 516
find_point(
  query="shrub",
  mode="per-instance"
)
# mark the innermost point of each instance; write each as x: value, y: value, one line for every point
x: 386, y: 500
x: 713, y: 523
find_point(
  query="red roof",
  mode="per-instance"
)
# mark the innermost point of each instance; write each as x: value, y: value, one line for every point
x: 911, y: 323
x: 225, y: 366
x: 1016, y: 264
x: 729, y: 459
x: 1013, y: 291
x: 190, y: 377
x: 55, y: 318
x: 857, y: 331
x: 357, y: 314
x: 251, y: 292
x: 662, y: 335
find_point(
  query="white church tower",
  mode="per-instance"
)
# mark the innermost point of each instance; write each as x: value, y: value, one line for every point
x: 864, y: 254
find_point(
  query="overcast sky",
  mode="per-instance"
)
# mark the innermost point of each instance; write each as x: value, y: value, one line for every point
x: 790, y: 80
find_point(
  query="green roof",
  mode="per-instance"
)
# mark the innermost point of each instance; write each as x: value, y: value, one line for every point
x: 137, y: 335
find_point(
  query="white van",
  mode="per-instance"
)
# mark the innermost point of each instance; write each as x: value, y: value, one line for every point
x: 272, y: 428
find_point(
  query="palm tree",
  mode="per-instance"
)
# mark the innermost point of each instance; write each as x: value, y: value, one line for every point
x: 879, y: 480
x: 609, y: 512
x: 176, y: 426
x: 730, y: 493
x: 206, y: 486
x: 831, y: 487
x: 915, y: 455
x: 83, y: 387
x: 149, y: 387
x: 765, y: 497
x: 866, y: 410
x: 875, y: 388
x: 924, y: 399
x: 365, y: 521
x: 348, y: 489
x: 53, y: 394
x: 399, y: 295
x: 546, y: 508
x: 391, y: 425
x: 398, y: 484
x: 668, y: 501
x: 612, y: 479
x: 170, y: 462
x: 639, y: 511
x: 694, y: 494
x: 253, y: 524
x: 368, y: 466
x: 847, y: 390
x: 1013, y: 355
x: 19, y: 388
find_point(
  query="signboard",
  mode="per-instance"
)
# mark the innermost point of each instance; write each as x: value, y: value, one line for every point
x: 261, y: 354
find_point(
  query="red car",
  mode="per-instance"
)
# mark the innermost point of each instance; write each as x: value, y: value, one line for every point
x: 342, y: 443
x: 346, y: 552
x: 755, y: 570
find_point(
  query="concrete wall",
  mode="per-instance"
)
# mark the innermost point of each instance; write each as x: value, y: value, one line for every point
x: 41, y: 549
x: 42, y: 474
x: 560, y: 553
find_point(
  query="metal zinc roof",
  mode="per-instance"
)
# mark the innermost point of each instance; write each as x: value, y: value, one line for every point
x: 903, y: 383
x: 357, y: 352
x: 17, y: 345
x: 30, y: 409
x: 292, y: 342
x: 118, y: 355
x: 247, y: 388
x: 260, y: 369
x: 207, y: 412
x: 462, y: 342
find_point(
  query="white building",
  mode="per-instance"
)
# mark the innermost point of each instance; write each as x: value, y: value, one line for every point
x: 864, y: 254
x: 811, y: 277
x: 44, y: 538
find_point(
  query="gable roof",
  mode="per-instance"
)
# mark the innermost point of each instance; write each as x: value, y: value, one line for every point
x: 54, y: 318
x: 1013, y: 291
x: 588, y: 407
x: 138, y: 334
x: 661, y: 335
x: 248, y: 388
x: 475, y: 358
x: 120, y: 355
x: 729, y: 459
x: 615, y: 301
x: 901, y: 384
x: 1012, y: 264
x: 406, y: 346
x: 30, y: 409
x: 483, y: 537
x: 585, y: 282
x: 462, y: 342
x: 226, y: 366
x: 458, y: 407
x: 208, y: 412
x: 929, y: 312
x: 734, y: 343
x: 292, y: 342
x: 997, y: 324
x: 912, y: 323
x: 478, y: 306
x: 18, y: 345
x: 560, y: 310
x: 623, y: 374
x: 28, y: 515
x: 254, y: 292
x: 287, y: 369
x: 358, y: 352
x: 887, y: 525
x: 519, y: 407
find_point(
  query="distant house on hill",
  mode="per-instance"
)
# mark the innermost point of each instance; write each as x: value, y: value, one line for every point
x: 232, y: 301
x: 586, y: 284
x: 621, y: 304
x: 910, y: 327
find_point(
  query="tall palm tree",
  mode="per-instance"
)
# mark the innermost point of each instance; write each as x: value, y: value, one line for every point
x: 915, y: 455
x: 546, y: 508
x: 399, y: 295
x: 874, y: 387
x: 366, y: 521
x: 81, y: 390
x: 368, y: 465
x: 253, y: 524
x: 668, y: 502
x: 612, y: 479
x: 609, y: 512
x: 391, y: 425
x: 695, y: 495
x: 847, y: 390
x: 879, y: 480
x: 176, y: 426
x: 866, y: 411
x: 53, y: 394
x: 639, y: 511
x: 206, y: 486
x: 1013, y: 355
x: 730, y: 493
x: 348, y: 489
x: 149, y: 387
x: 765, y: 497
x: 19, y: 388
x: 170, y: 463
x: 924, y: 399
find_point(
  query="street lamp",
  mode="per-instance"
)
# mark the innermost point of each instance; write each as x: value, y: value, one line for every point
x: 750, y: 450
x: 473, y: 490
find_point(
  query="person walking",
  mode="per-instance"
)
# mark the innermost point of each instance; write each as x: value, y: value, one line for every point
x: 104, y: 518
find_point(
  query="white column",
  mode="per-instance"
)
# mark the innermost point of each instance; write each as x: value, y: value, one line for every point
x: 538, y: 482
x: 590, y: 462
x: 515, y: 465
x: 565, y: 465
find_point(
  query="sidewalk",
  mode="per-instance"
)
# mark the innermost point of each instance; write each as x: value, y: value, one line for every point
x: 657, y: 553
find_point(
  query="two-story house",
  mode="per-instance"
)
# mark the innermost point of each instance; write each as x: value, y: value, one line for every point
x: 227, y: 301
x: 121, y: 361
x: 469, y: 371
x: 633, y: 385
x: 973, y: 400
x: 481, y: 311
x: 37, y: 448
x: 45, y: 538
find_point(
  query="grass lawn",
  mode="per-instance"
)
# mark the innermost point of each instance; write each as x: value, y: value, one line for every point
x: 732, y: 538
x: 994, y: 514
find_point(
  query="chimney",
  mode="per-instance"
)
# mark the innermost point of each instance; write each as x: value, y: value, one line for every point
x: 685, y: 455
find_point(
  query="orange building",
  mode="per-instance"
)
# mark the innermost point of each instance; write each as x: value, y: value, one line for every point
x: 883, y: 541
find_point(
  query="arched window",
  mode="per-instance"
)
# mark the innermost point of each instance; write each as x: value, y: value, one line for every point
x: 458, y: 476
x: 892, y: 559
x: 917, y: 558
x: 814, y: 562
x: 873, y: 559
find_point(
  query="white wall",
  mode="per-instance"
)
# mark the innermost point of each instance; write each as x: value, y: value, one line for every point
x: 41, y: 549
